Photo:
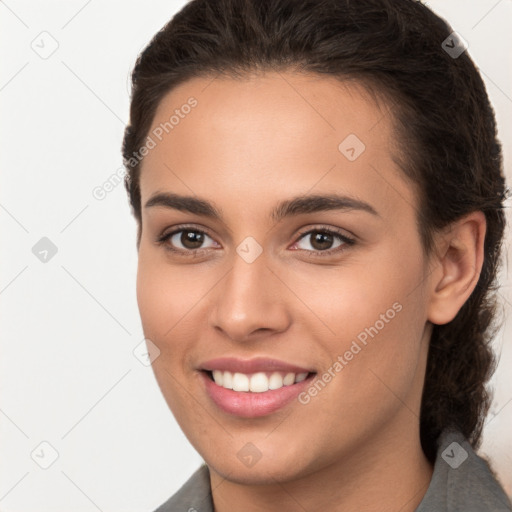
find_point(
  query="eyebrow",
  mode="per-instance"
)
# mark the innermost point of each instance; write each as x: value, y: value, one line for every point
x: 288, y: 208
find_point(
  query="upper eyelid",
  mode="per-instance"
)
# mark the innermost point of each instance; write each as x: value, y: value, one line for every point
x: 299, y: 236
x: 336, y: 231
x: 178, y: 229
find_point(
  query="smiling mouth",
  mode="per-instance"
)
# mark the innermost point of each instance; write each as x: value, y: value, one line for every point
x: 259, y: 382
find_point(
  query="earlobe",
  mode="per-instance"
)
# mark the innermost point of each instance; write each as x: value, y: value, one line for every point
x: 458, y: 267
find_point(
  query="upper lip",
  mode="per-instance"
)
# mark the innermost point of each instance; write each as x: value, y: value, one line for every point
x: 258, y: 364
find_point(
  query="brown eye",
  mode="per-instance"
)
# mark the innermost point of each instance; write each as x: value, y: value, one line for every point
x: 186, y: 241
x: 322, y: 240
x: 191, y: 239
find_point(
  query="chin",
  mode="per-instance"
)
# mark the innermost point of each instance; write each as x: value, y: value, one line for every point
x: 262, y: 473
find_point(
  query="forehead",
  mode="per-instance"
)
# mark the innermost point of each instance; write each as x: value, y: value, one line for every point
x: 264, y: 135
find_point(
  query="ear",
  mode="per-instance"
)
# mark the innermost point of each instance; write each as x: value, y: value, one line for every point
x: 457, y: 266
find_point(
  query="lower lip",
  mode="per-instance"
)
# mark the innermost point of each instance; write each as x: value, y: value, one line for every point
x: 247, y: 404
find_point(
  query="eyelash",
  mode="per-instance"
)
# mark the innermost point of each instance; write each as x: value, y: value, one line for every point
x: 163, y: 238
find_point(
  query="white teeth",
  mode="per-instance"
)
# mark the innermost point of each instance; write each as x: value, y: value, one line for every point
x: 217, y: 377
x: 227, y: 380
x: 289, y: 379
x: 275, y: 381
x: 240, y: 382
x: 256, y: 382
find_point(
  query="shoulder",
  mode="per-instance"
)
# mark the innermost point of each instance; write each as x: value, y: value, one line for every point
x: 193, y: 496
x: 462, y: 480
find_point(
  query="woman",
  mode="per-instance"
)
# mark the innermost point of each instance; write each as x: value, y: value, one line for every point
x: 319, y: 190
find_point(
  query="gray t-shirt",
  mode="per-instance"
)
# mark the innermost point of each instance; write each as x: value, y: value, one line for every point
x: 461, y: 482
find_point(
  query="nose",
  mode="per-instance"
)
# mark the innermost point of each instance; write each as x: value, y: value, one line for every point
x: 250, y: 301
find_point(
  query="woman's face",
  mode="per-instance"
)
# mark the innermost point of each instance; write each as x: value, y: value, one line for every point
x: 323, y: 301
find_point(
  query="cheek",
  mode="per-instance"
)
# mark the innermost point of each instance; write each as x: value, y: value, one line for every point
x: 373, y: 316
x: 347, y: 300
x: 164, y: 300
x: 164, y: 297
x: 154, y: 301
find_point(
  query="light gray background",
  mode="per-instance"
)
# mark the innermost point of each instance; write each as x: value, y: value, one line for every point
x: 69, y: 326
